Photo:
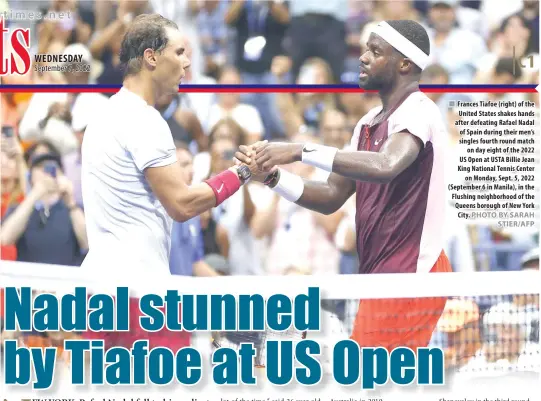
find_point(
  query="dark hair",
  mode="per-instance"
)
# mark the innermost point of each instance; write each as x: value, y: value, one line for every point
x: 505, y: 66
x: 414, y: 32
x: 147, y: 31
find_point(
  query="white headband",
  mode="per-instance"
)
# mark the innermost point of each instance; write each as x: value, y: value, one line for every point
x: 400, y: 43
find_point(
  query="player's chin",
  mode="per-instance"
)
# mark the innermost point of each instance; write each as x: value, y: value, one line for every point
x: 368, y: 85
x: 174, y: 86
x: 364, y: 82
x: 179, y: 80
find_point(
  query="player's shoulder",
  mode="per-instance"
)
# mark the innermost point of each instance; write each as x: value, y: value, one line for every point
x: 419, y: 100
x: 125, y: 101
x: 418, y: 105
x: 151, y: 126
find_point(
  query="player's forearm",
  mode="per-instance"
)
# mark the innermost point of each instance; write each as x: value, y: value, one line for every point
x: 324, y: 197
x: 183, y: 202
x: 320, y: 197
x: 397, y: 154
x: 197, y: 199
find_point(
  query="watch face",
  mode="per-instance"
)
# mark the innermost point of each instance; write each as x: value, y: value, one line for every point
x: 244, y: 172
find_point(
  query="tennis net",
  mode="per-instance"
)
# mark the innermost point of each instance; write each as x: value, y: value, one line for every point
x: 487, y: 323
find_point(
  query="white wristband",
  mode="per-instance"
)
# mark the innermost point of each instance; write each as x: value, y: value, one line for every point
x: 319, y: 156
x: 289, y: 186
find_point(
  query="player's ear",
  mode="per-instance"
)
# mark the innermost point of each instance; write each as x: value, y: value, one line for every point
x: 406, y: 65
x: 150, y: 56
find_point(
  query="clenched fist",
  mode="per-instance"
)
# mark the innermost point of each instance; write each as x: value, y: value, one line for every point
x: 278, y: 153
x: 247, y: 154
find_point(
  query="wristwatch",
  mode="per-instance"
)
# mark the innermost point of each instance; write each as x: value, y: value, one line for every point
x: 244, y: 173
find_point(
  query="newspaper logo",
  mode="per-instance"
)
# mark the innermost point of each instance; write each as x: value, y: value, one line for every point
x: 20, y: 47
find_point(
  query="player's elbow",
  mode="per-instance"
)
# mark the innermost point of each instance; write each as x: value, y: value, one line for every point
x: 182, y: 214
x: 387, y: 172
x: 329, y: 208
x: 181, y: 209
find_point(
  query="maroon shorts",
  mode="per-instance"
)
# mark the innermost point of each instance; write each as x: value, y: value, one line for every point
x: 174, y: 340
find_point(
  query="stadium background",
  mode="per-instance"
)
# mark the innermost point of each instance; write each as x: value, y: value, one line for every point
x: 305, y: 42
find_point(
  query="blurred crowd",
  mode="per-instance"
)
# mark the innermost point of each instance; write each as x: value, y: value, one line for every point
x: 254, y: 232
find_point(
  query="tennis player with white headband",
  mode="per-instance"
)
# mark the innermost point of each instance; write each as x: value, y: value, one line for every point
x: 395, y: 167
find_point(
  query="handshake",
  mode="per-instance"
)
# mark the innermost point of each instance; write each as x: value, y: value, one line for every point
x: 263, y: 158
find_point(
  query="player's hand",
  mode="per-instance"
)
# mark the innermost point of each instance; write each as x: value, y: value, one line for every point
x: 277, y: 153
x: 246, y: 155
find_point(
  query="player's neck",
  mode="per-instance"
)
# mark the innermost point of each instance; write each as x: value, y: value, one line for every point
x: 142, y: 87
x: 390, y: 97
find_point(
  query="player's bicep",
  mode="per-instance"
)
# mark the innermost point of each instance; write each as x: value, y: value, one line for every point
x: 400, y: 151
x: 182, y: 202
x: 166, y: 183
